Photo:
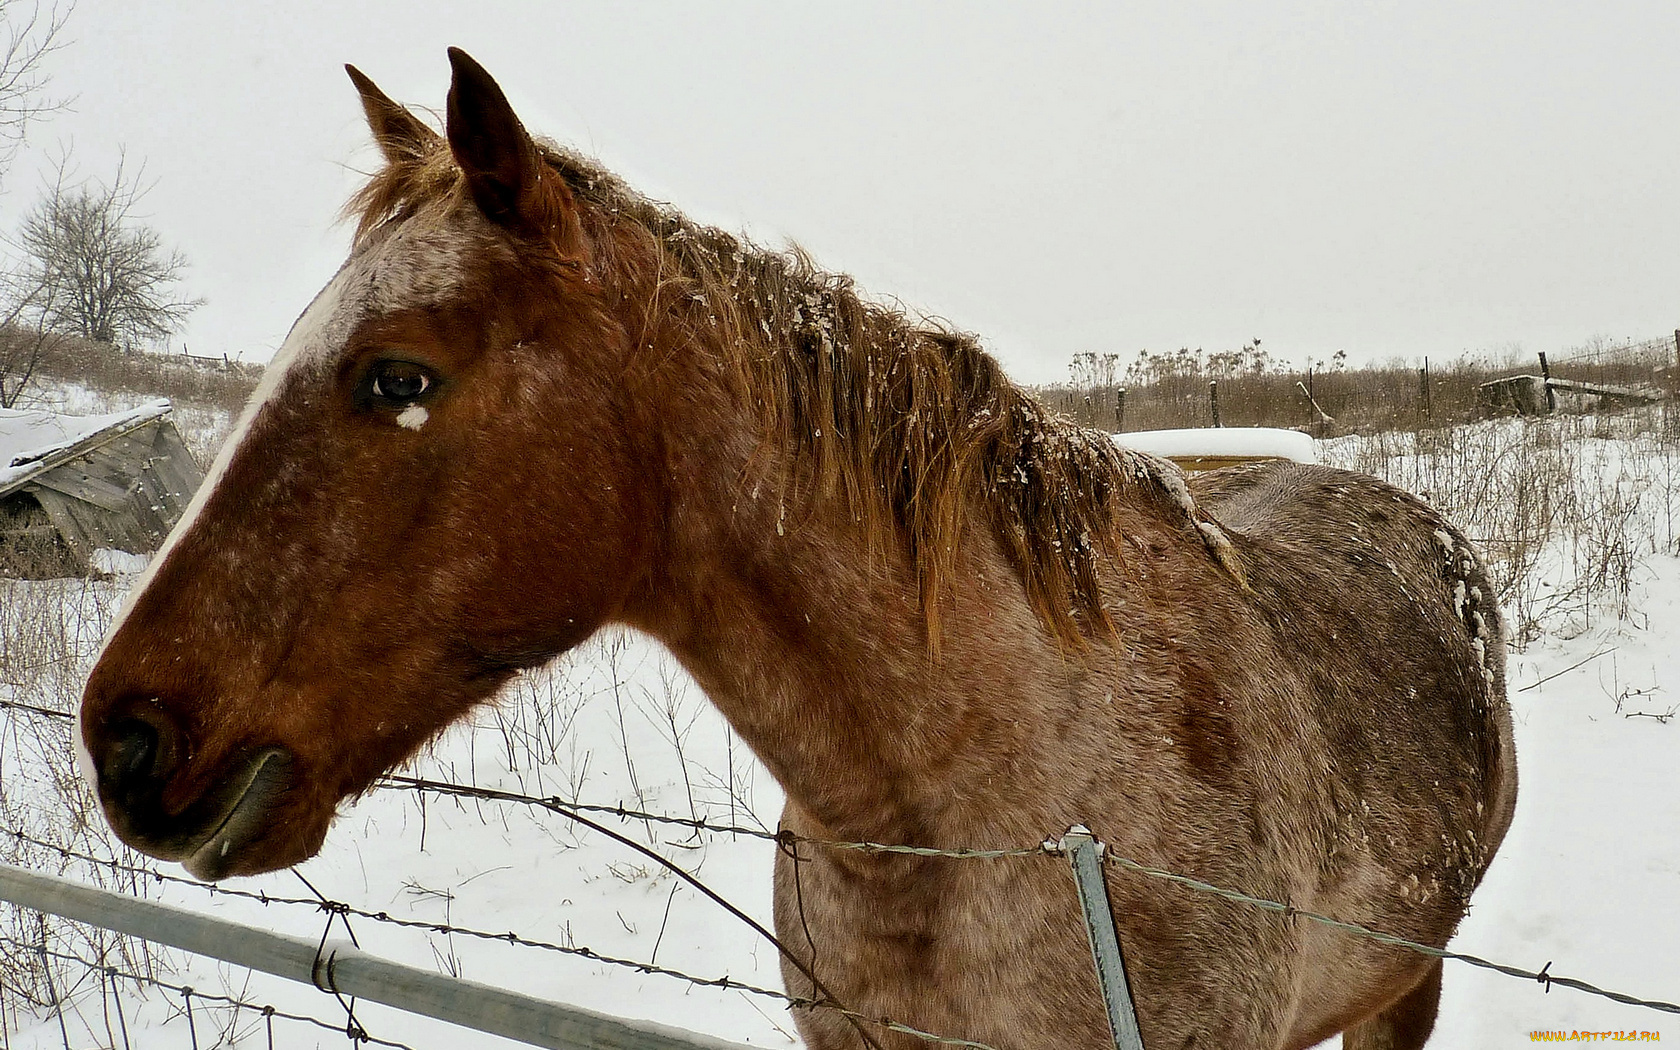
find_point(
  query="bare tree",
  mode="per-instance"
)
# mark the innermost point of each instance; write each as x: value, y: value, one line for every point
x: 97, y: 271
x: 29, y: 34
x: 23, y: 342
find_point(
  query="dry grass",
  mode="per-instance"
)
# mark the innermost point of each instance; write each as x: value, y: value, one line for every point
x: 1566, y: 507
x: 103, y: 367
x: 49, y: 633
x: 1166, y: 391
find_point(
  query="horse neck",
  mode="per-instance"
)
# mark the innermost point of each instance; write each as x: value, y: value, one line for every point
x: 812, y: 641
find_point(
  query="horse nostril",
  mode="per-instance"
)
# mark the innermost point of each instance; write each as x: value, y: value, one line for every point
x: 131, y: 758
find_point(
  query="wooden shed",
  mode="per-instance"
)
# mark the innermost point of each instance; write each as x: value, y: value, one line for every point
x: 1542, y: 395
x: 79, y: 492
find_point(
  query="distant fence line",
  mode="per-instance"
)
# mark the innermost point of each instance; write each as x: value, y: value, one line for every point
x: 1169, y: 391
x: 225, y: 383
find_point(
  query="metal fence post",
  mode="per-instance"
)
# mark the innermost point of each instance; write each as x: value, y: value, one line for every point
x: 1085, y: 854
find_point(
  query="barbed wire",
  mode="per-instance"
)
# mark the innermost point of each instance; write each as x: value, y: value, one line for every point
x: 574, y: 810
x: 189, y: 993
x: 324, y: 904
x: 1544, y: 975
x: 342, y: 909
x: 1641, y: 351
x: 1053, y: 849
x: 563, y: 807
x: 51, y: 712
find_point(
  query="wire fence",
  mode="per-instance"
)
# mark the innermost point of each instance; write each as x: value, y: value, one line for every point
x: 1050, y: 848
x: 1250, y: 387
x: 582, y: 812
x: 187, y: 994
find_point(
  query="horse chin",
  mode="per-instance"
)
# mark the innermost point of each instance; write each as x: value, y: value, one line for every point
x: 226, y: 819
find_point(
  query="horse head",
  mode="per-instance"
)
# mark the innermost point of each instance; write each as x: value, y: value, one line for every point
x: 431, y: 489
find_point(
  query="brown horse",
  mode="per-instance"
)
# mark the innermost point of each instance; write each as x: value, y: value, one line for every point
x: 533, y: 402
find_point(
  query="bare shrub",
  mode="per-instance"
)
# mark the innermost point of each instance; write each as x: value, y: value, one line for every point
x: 49, y: 821
x: 1565, y: 508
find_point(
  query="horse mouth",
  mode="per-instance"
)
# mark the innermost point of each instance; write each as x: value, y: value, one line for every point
x: 247, y: 798
x: 206, y: 838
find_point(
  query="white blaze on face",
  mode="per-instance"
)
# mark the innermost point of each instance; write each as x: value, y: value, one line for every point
x: 414, y: 265
x: 413, y: 417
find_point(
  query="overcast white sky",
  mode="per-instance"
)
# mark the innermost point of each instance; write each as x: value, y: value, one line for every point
x: 1389, y: 178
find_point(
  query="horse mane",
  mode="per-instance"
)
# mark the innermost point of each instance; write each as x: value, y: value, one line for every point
x: 908, y: 420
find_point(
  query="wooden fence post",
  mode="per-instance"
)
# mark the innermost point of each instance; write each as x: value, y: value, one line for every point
x: 1213, y: 400
x: 1546, y: 378
x: 1120, y: 406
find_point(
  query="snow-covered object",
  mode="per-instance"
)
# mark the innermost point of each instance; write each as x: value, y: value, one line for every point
x: 113, y: 563
x: 28, y: 438
x: 1223, y: 443
x: 116, y: 482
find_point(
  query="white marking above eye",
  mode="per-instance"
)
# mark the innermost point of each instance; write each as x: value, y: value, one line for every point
x: 414, y: 264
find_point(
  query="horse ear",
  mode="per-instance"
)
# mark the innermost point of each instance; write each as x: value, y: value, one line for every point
x: 505, y: 171
x: 400, y: 134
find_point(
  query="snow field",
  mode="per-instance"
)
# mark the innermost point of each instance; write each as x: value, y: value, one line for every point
x: 1577, y: 517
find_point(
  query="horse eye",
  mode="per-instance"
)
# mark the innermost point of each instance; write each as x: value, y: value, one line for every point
x: 399, y: 382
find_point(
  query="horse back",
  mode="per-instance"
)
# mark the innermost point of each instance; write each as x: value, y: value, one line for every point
x: 1387, y: 613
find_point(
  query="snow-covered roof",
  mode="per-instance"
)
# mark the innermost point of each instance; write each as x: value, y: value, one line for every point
x: 28, y: 438
x: 1223, y: 442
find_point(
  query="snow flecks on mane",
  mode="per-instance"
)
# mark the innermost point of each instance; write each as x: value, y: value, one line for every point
x: 906, y: 420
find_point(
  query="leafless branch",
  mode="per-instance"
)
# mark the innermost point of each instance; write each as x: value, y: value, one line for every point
x: 29, y: 35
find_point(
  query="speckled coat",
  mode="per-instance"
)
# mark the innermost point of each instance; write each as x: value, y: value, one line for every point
x: 534, y: 402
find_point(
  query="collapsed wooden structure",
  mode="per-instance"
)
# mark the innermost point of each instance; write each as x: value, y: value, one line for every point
x: 77, y: 493
x: 1542, y: 395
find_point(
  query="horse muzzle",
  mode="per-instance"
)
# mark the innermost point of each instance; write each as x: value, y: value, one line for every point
x: 138, y: 760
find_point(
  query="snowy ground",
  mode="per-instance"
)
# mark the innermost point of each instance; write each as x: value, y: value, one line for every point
x: 1585, y: 880
x: 1587, y: 877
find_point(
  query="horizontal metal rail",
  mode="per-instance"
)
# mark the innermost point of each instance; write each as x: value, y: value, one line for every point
x: 339, y: 967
